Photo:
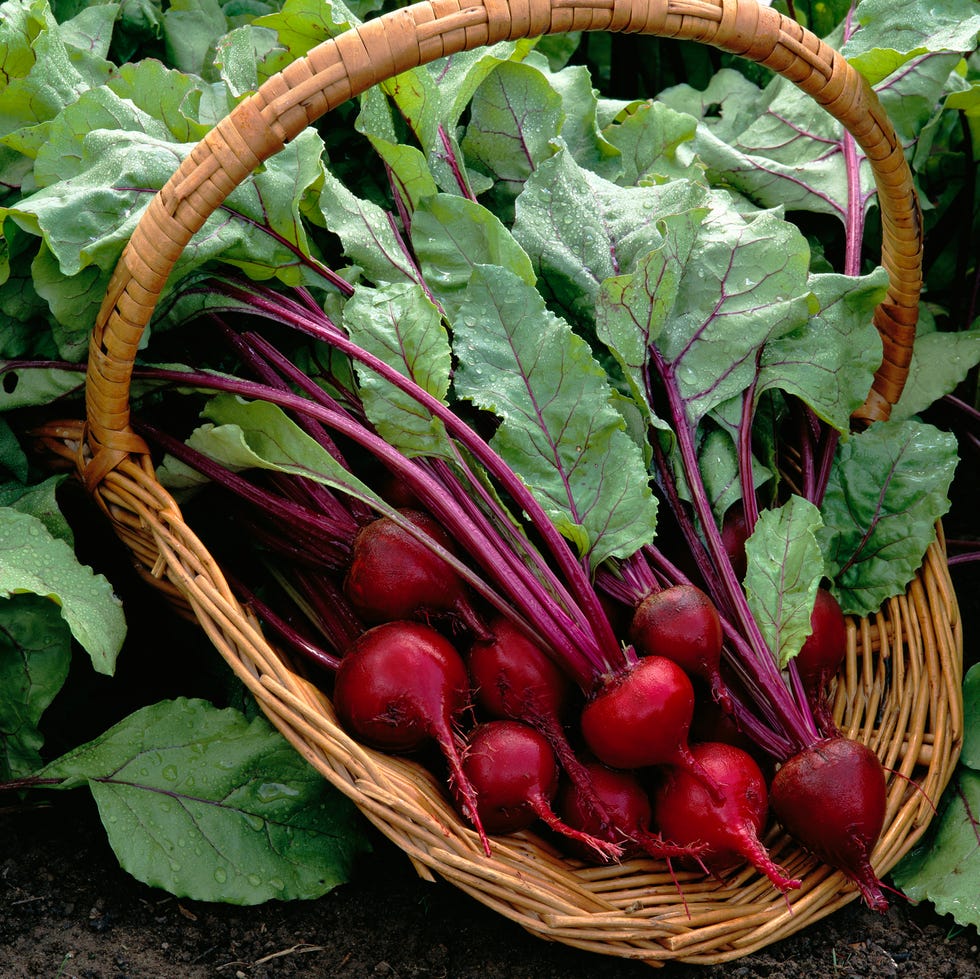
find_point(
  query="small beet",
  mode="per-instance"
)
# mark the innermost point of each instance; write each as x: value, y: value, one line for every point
x: 831, y: 797
x: 514, y: 774
x: 630, y: 813
x: 642, y: 716
x: 728, y: 830
x: 682, y: 623
x: 514, y: 678
x: 823, y: 651
x: 395, y: 576
x: 400, y: 685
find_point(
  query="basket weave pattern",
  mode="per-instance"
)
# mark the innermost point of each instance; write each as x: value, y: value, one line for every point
x: 899, y: 690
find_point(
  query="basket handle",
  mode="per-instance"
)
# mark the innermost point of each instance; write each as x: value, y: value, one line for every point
x: 347, y: 65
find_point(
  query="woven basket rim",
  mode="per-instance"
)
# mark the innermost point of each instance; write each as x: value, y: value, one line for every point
x: 912, y: 717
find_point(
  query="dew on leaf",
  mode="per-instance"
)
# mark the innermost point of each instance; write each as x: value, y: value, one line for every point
x: 169, y: 772
x: 220, y: 875
x: 271, y: 791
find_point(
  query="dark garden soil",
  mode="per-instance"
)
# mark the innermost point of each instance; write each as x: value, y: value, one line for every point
x: 68, y: 911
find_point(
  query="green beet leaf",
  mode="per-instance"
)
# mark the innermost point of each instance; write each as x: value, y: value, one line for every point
x: 432, y: 99
x: 783, y: 571
x: 709, y: 297
x: 399, y: 324
x: 558, y: 427
x: 515, y: 116
x: 887, y: 489
x: 940, y: 361
x: 452, y: 235
x: 649, y: 139
x: 32, y: 561
x: 579, y: 229
x: 829, y: 362
x: 255, y: 434
x: 211, y: 806
x: 370, y: 239
x: 35, y: 653
x: 945, y: 866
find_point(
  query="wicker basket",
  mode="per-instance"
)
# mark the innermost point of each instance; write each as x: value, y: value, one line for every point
x: 900, y: 689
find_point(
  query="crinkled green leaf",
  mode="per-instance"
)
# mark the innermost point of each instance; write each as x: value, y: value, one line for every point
x: 40, y: 500
x: 35, y: 653
x: 400, y: 325
x: 944, y: 866
x: 648, y: 140
x: 829, y: 362
x: 580, y: 129
x: 710, y: 296
x: 369, y: 235
x: 190, y: 29
x: 632, y: 308
x: 432, y: 98
x: 911, y: 26
x: 515, y: 116
x: 44, y: 68
x: 887, y: 489
x: 784, y: 568
x: 940, y: 361
x: 558, y: 428
x: 452, y: 235
x: 29, y: 387
x: 301, y: 25
x: 35, y: 562
x: 776, y: 146
x: 580, y: 229
x: 719, y: 464
x: 108, y: 178
x: 214, y: 807
x: 242, y: 55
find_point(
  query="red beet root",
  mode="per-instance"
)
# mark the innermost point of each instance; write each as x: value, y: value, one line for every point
x: 514, y: 678
x: 682, y: 623
x: 514, y: 775
x: 831, y: 798
x: 400, y: 685
x: 823, y: 651
x: 729, y: 830
x: 642, y: 717
x: 630, y: 816
x: 394, y: 576
x: 734, y: 534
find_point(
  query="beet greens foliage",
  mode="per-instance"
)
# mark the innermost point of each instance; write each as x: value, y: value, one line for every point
x: 627, y: 287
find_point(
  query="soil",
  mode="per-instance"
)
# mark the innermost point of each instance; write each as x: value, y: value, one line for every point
x: 69, y: 912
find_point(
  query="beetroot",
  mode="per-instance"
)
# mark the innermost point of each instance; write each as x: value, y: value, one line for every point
x: 682, y: 623
x: 514, y: 775
x: 400, y: 685
x: 630, y: 812
x: 394, y: 575
x: 641, y: 716
x: 729, y: 830
x: 514, y: 678
x: 831, y: 797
